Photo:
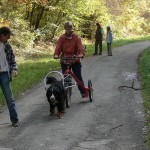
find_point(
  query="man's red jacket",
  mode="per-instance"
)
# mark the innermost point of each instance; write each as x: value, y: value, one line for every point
x: 67, y: 47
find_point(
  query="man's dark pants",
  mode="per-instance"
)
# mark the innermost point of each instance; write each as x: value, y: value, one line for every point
x: 76, y: 68
x: 98, y: 43
x: 109, y: 49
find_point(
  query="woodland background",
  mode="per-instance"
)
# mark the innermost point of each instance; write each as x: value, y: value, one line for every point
x: 37, y: 24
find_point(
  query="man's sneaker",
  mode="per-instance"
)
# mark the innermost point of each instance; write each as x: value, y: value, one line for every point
x: 15, y: 124
x: 84, y: 95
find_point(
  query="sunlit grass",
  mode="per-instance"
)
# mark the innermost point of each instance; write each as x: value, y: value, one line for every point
x: 145, y: 83
x: 118, y: 42
x: 126, y: 41
x: 32, y: 71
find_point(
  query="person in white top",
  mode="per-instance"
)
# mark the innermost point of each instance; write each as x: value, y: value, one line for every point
x: 109, y: 40
x: 8, y: 68
x: 3, y: 61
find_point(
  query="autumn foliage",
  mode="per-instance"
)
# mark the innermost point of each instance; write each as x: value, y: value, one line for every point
x: 35, y: 20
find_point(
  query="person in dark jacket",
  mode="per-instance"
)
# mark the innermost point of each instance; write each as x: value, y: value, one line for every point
x: 8, y: 68
x: 98, y: 39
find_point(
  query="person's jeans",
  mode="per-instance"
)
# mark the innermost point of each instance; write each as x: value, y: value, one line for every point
x: 76, y: 68
x: 98, y: 44
x: 6, y: 89
x: 109, y: 49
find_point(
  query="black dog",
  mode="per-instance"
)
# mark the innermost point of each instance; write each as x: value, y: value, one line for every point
x: 56, y: 96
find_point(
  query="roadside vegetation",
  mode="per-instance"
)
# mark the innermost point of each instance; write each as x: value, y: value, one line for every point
x: 145, y: 84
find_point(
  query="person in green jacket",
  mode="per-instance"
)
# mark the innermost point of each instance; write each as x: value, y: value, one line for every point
x: 98, y: 39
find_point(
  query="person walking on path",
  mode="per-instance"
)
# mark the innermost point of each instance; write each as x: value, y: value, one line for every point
x: 109, y: 40
x: 98, y: 39
x: 8, y: 68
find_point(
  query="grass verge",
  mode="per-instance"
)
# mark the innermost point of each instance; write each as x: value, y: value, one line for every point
x: 117, y: 43
x: 32, y: 71
x: 144, y: 68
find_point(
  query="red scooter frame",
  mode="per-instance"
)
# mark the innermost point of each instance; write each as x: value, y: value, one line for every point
x: 88, y: 90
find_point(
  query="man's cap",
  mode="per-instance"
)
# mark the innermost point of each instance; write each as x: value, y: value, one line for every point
x: 5, y: 31
x: 68, y: 25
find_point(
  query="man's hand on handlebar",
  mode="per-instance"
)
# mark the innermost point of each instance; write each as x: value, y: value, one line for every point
x: 80, y: 55
x: 56, y: 57
x: 68, y: 58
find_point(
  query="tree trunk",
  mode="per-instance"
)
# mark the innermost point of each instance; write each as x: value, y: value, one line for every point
x: 39, y: 16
